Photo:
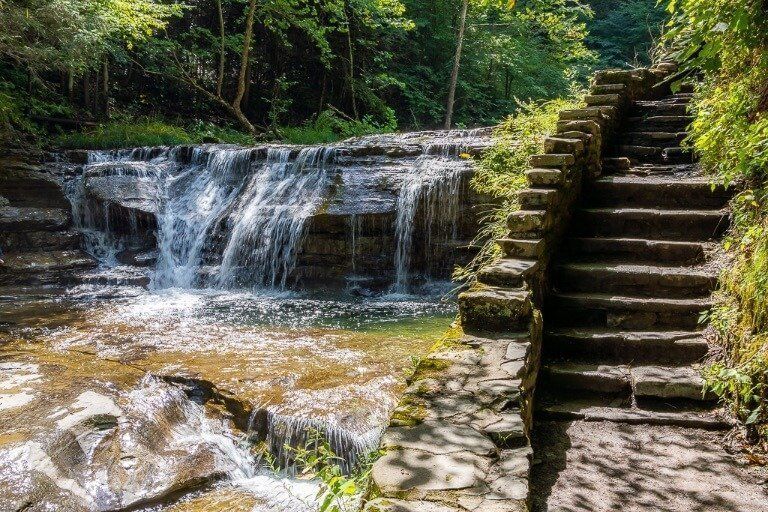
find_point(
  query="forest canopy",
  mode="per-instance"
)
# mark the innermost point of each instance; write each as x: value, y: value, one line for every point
x: 339, y: 66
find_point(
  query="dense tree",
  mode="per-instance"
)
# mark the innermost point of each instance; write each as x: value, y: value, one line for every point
x: 267, y: 64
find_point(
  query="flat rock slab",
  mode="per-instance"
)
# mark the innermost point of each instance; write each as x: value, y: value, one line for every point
x: 601, y: 467
x: 438, y: 438
x: 390, y: 505
x: 415, y: 473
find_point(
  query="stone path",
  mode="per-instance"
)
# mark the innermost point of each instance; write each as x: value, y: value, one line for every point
x: 606, y: 466
x: 624, y: 422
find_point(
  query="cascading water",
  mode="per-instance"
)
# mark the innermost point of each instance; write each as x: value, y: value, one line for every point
x: 268, y: 223
x: 433, y: 190
x: 236, y: 218
x: 195, y: 200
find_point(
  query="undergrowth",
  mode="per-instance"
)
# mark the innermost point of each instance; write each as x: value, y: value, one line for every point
x: 331, y: 126
x: 125, y: 134
x: 726, y: 42
x: 339, y: 492
x: 501, y: 173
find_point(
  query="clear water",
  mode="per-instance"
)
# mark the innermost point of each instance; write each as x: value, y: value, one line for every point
x: 300, y: 361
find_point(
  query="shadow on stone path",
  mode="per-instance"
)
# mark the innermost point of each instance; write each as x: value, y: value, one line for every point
x: 600, y: 466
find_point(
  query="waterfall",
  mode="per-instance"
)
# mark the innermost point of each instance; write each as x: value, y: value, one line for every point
x: 283, y: 434
x: 268, y: 223
x: 236, y: 218
x: 194, y: 202
x: 432, y: 189
x: 104, y: 227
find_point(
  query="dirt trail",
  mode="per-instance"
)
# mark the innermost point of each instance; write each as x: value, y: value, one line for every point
x: 601, y: 466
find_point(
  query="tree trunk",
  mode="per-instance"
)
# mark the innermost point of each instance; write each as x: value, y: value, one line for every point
x: 222, y: 50
x: 71, y: 86
x: 86, y: 92
x: 236, y: 104
x: 105, y: 88
x: 456, y: 65
x: 352, y: 91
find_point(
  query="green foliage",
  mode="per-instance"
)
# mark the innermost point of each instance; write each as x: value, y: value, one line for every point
x: 501, y: 172
x: 338, y: 492
x: 728, y: 41
x: 72, y: 35
x: 331, y: 127
x: 209, y: 132
x: 125, y: 135
x: 623, y: 32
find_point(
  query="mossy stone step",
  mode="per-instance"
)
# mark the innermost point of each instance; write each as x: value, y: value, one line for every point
x: 626, y: 347
x: 605, y: 379
x: 657, y: 155
x: 657, y: 192
x: 659, y: 123
x: 596, y: 409
x: 508, y: 272
x: 655, y: 139
x: 626, y: 313
x: 488, y: 308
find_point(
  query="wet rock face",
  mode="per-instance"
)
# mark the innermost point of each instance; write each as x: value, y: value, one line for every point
x: 36, y: 236
x: 111, y: 449
x: 312, y: 217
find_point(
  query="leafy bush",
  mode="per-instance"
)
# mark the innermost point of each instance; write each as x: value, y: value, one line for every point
x: 330, y: 126
x: 727, y: 41
x: 501, y: 172
x: 339, y: 492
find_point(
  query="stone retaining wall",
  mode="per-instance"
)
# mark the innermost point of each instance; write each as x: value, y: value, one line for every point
x: 459, y: 440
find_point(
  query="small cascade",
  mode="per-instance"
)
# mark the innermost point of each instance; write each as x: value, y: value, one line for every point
x: 269, y: 217
x: 432, y: 192
x: 195, y: 201
x: 109, y: 228
x: 282, y: 434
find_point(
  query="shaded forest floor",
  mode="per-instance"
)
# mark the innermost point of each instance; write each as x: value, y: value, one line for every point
x: 601, y: 466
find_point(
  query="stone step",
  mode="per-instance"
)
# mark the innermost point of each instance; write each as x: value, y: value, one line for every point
x: 508, y: 272
x: 569, y: 377
x: 626, y: 347
x: 489, y: 308
x: 595, y: 409
x: 658, y: 123
x: 16, y: 219
x: 667, y: 107
x: 627, y: 279
x: 44, y: 268
x: 657, y: 191
x: 663, y: 224
x: 27, y: 241
x: 654, y: 139
x: 659, y: 170
x: 656, y: 155
x: 669, y: 383
x: 637, y: 250
x: 655, y: 383
x: 626, y: 313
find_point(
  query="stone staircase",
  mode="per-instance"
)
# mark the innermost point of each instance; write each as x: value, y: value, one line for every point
x: 623, y: 339
x: 36, y: 234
